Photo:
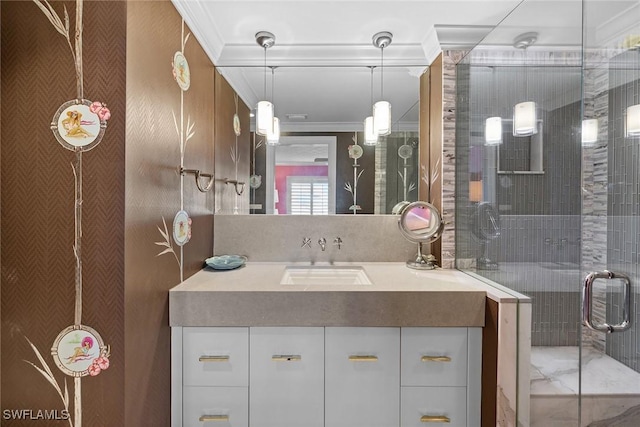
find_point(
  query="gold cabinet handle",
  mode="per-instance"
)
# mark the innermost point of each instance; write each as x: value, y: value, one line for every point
x: 206, y: 359
x: 205, y: 418
x: 286, y: 357
x: 436, y: 359
x: 363, y: 358
x: 434, y: 419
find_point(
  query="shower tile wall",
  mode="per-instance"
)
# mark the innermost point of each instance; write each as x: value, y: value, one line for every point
x: 623, y: 203
x: 594, y: 186
x: 538, y: 251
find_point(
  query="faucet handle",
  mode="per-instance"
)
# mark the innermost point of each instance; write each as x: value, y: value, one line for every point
x: 306, y: 242
x: 323, y: 243
x: 338, y: 242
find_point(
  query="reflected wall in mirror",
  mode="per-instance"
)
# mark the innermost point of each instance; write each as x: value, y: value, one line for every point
x: 321, y: 165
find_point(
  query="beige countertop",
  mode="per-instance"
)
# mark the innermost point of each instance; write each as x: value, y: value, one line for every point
x: 398, y: 296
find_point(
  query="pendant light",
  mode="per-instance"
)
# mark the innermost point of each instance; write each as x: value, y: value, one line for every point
x: 382, y: 109
x: 273, y: 134
x: 589, y: 131
x: 632, y: 121
x: 264, y: 109
x: 370, y: 135
x: 493, y: 131
x: 525, y: 117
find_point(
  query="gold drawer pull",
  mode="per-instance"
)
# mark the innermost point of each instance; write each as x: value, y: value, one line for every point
x: 434, y: 419
x: 205, y: 418
x: 213, y: 358
x: 363, y: 358
x: 286, y: 357
x: 436, y: 359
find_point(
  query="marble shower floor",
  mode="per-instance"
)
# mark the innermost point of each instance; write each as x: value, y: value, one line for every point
x: 610, y: 390
x: 554, y: 371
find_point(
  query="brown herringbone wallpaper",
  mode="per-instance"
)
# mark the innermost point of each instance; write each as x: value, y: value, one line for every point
x: 153, y: 193
x: 225, y: 137
x: 37, y: 188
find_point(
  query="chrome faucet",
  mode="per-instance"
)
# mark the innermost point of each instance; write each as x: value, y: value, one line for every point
x: 337, y: 242
x: 306, y: 242
x: 323, y: 243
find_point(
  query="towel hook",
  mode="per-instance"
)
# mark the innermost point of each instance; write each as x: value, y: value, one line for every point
x: 199, y: 175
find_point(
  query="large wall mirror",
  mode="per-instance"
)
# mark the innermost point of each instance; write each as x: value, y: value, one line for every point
x: 321, y: 164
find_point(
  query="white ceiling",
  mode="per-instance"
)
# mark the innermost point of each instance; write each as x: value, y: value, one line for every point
x: 312, y: 35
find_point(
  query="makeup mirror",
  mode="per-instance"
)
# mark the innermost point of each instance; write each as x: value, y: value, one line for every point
x: 420, y: 222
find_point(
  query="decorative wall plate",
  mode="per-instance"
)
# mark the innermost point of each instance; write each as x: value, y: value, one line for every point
x: 78, y: 350
x: 76, y: 127
x: 405, y: 151
x: 181, y: 71
x: 181, y: 228
x: 255, y: 181
x: 236, y: 124
x: 355, y: 151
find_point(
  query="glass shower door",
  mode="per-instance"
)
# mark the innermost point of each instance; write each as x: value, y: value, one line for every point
x: 610, y: 334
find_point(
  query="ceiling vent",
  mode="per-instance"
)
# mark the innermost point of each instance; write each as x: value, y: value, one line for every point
x: 297, y: 116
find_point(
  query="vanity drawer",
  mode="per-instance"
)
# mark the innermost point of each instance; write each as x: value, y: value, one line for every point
x: 216, y: 356
x: 220, y: 406
x: 433, y: 406
x: 362, y: 377
x: 287, y: 377
x: 434, y: 356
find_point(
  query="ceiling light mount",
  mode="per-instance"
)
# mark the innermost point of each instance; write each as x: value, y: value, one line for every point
x: 382, y: 39
x: 265, y: 39
x: 525, y: 40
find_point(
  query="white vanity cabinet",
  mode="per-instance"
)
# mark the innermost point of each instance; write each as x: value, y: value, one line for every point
x: 215, y: 376
x: 287, y: 377
x: 441, y: 376
x: 362, y: 377
x: 326, y: 376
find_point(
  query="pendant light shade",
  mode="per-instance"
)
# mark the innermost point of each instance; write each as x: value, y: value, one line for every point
x: 370, y: 135
x: 382, y: 109
x: 632, y: 121
x: 264, y: 118
x: 589, y: 131
x: 382, y: 118
x: 525, y: 119
x: 273, y: 136
x: 493, y: 131
x: 264, y: 109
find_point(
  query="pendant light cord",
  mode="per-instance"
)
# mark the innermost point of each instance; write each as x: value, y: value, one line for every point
x: 382, y: 73
x: 371, y: 80
x: 265, y: 74
x: 273, y: 86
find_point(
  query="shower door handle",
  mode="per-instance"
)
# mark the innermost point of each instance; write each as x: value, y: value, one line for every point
x: 587, y: 302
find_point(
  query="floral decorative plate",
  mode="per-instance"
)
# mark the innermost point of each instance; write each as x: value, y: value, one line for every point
x: 181, y: 228
x: 405, y: 151
x: 236, y: 124
x: 181, y: 71
x: 79, y: 124
x: 79, y: 351
x: 355, y: 151
x: 255, y: 181
x: 226, y: 262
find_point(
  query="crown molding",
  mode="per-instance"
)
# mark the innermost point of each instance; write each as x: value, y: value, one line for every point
x: 340, y: 127
x: 321, y: 55
x: 431, y: 45
x: 236, y: 78
x: 612, y: 32
x: 214, y: 42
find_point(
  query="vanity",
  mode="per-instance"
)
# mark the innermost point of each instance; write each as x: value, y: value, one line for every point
x: 340, y: 345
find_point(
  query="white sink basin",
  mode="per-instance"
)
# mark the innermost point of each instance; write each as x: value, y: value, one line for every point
x: 324, y: 275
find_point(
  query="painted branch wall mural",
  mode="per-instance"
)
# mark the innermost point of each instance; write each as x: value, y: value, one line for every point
x: 355, y: 152
x: 181, y: 230
x: 78, y: 125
